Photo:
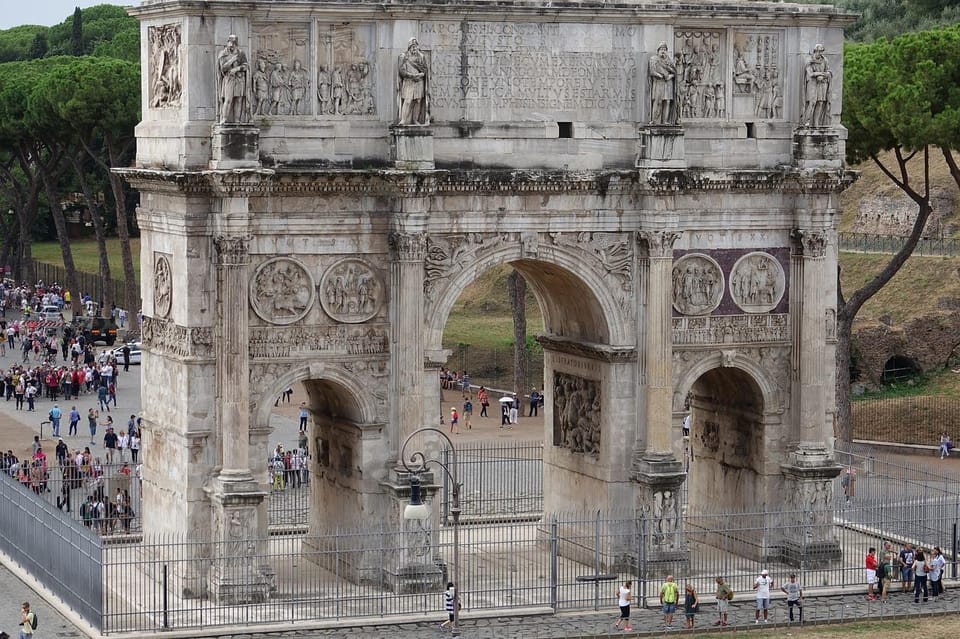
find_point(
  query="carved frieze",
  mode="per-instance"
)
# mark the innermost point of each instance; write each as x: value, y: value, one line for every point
x: 449, y: 254
x: 576, y: 414
x: 282, y: 291
x: 757, y: 67
x: 757, y: 282
x: 297, y: 341
x: 345, y: 70
x: 351, y: 291
x: 613, y: 251
x: 666, y: 519
x: 280, y: 84
x: 697, y: 284
x: 701, y: 74
x: 731, y: 329
x: 163, y: 337
x: 162, y: 285
x: 166, y: 84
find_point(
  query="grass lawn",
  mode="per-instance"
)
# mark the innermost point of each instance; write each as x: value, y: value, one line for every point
x: 85, y: 255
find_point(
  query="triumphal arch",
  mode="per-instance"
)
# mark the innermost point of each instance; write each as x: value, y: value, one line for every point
x: 320, y: 180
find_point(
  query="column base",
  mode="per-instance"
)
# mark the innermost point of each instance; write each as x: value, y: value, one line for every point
x: 660, y: 147
x: 235, y: 146
x: 412, y: 148
x: 658, y: 498
x: 808, y: 525
x: 817, y: 148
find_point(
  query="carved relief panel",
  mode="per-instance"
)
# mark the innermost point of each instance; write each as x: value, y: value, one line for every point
x: 351, y: 291
x: 162, y: 285
x: 758, y: 75
x: 576, y: 414
x: 280, y: 79
x: 281, y: 291
x: 165, y: 82
x: 701, y: 73
x: 757, y: 282
x: 697, y: 284
x: 344, y: 83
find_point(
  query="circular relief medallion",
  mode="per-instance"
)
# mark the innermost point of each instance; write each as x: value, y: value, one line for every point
x: 162, y: 286
x: 757, y: 282
x: 351, y: 292
x: 697, y: 284
x: 281, y: 291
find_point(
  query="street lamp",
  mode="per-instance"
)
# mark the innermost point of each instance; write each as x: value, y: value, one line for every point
x: 417, y: 510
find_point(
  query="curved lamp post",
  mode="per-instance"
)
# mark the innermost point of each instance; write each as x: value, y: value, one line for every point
x: 416, y: 509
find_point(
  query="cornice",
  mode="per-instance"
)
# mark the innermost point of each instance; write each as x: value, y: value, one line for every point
x: 393, y: 183
x: 600, y: 352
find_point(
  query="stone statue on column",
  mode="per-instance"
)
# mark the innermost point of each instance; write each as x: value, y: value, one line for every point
x: 817, y: 78
x: 413, y: 79
x: 233, y: 70
x: 663, y: 88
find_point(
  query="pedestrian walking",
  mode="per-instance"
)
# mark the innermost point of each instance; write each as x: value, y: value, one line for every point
x: 691, y: 605
x: 669, y: 593
x: 794, y: 592
x: 534, y: 403
x: 27, y: 621
x: 304, y: 414
x: 484, y: 398
x: 454, y: 419
x: 724, y: 596
x: 467, y: 412
x: 449, y: 605
x: 624, y: 598
x: 762, y: 585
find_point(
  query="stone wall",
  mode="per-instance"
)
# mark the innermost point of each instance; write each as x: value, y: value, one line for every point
x: 928, y: 341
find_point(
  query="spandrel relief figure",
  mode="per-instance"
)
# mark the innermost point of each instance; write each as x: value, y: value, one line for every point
x: 166, y: 86
x: 413, y: 86
x: 261, y: 89
x: 663, y: 75
x: 817, y: 80
x: 233, y: 70
x: 299, y: 83
x: 336, y: 92
x: 743, y: 77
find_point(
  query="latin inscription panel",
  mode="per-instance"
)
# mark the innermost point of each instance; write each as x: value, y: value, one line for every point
x: 527, y: 70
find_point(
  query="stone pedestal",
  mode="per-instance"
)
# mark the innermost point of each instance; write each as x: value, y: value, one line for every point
x: 663, y: 548
x: 809, y: 537
x: 239, y: 572
x: 660, y: 147
x: 235, y: 146
x: 817, y: 148
x: 411, y: 148
x: 415, y: 568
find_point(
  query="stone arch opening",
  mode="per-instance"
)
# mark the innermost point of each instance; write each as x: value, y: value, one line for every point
x: 899, y: 368
x: 727, y: 441
x: 342, y: 438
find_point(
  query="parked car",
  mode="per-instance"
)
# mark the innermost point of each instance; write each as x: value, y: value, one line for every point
x: 135, y: 352
x: 51, y: 313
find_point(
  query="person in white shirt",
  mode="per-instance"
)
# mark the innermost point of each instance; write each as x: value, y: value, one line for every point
x: 762, y: 585
x: 123, y: 445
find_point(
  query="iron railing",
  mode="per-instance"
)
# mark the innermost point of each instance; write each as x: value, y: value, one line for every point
x: 915, y: 419
x: 889, y: 244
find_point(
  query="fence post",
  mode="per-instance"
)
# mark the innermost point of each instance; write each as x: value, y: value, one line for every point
x: 166, y: 618
x: 596, y: 561
x: 953, y: 549
x: 554, y: 562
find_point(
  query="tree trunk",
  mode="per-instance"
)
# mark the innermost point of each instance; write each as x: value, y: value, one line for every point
x: 843, y: 424
x: 49, y: 179
x: 518, y: 306
x: 106, y: 279
x: 11, y: 235
x: 116, y: 186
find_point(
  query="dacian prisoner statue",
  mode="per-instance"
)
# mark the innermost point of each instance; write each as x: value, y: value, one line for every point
x: 817, y: 80
x: 412, y: 79
x: 663, y: 73
x: 233, y: 68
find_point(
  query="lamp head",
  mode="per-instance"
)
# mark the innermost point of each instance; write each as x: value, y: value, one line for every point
x: 416, y: 509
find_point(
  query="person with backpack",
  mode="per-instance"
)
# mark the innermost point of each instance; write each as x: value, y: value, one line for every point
x: 669, y: 594
x: 28, y: 621
x: 724, y: 595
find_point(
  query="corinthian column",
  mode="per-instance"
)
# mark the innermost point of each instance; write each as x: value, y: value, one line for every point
x: 811, y: 340
x: 406, y: 353
x: 658, y: 343
x: 233, y: 367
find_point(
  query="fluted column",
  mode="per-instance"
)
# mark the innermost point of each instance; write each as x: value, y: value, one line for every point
x: 812, y: 338
x: 406, y: 352
x: 233, y: 366
x: 658, y: 342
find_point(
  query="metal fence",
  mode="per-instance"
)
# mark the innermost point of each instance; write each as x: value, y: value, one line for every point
x: 875, y: 243
x: 109, y: 291
x: 57, y: 551
x: 910, y: 420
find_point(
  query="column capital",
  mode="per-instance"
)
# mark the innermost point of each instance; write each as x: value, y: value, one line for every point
x: 408, y: 247
x: 810, y: 242
x: 232, y: 250
x: 659, y: 243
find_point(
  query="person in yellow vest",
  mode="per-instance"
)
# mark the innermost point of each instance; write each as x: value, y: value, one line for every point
x: 66, y: 298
